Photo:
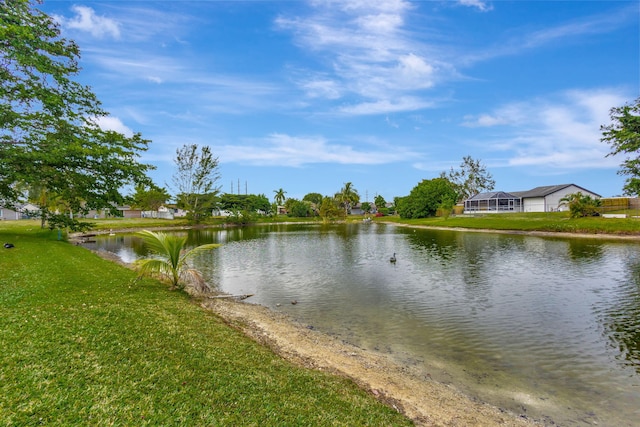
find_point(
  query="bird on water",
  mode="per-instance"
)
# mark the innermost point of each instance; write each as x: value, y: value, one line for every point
x: 393, y: 258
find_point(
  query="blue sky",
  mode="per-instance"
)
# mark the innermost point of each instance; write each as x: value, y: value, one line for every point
x: 308, y: 95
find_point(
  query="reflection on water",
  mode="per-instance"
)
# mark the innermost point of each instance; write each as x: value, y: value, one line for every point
x: 545, y: 327
x: 621, y: 317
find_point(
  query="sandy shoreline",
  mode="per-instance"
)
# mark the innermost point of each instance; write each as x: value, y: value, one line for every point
x: 425, y: 401
x: 416, y: 395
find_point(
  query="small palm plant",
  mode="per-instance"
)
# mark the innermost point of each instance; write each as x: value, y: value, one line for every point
x: 171, y: 265
x: 581, y: 205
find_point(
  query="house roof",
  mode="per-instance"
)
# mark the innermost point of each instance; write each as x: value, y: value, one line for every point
x: 546, y: 190
x: 20, y: 207
x: 493, y: 195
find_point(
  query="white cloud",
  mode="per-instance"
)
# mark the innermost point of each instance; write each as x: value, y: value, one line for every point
x: 391, y: 123
x: 597, y: 24
x: 384, y: 6
x: 384, y: 106
x: 165, y: 27
x: 87, y: 20
x: 140, y: 116
x: 295, y: 151
x: 557, y: 132
x: 154, y: 79
x: 138, y: 65
x: 484, y: 120
x: 181, y: 80
x: 137, y: 23
x: 414, y: 72
x: 562, y: 33
x: 511, y: 114
x: 114, y: 124
x: 482, y: 6
x: 322, y: 88
x: 380, y: 23
x: 370, y: 56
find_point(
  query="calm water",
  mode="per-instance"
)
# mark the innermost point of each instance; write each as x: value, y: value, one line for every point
x: 546, y: 327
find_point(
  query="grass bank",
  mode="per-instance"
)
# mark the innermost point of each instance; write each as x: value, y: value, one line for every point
x: 83, y: 344
x: 546, y: 222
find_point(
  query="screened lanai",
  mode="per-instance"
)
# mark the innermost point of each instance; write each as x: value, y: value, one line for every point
x: 493, y: 202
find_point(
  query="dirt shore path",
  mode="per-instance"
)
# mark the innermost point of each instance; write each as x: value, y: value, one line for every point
x: 426, y: 402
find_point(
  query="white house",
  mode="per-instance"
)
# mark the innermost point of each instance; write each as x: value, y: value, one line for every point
x: 493, y: 202
x: 547, y: 199
x: 539, y: 199
x: 8, y: 214
x: 221, y: 212
x: 23, y: 211
x: 165, y: 212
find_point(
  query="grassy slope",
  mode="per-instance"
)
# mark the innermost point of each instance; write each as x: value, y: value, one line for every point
x: 82, y: 344
x: 552, y: 221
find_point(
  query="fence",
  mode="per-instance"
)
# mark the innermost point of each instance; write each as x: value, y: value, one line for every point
x: 619, y: 204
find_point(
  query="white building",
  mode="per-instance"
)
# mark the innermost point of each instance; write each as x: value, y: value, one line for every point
x: 24, y: 211
x: 539, y: 199
x: 547, y: 199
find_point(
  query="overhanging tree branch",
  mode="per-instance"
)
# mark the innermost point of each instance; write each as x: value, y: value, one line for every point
x: 48, y: 132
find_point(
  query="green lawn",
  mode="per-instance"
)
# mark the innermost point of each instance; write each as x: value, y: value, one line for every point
x: 83, y: 344
x: 552, y: 221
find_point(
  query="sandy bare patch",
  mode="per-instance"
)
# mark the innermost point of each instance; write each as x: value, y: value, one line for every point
x: 425, y: 401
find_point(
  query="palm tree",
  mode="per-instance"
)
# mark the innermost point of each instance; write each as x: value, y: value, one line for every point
x: 329, y: 210
x: 280, y: 197
x: 581, y: 205
x: 172, y: 262
x: 348, y: 196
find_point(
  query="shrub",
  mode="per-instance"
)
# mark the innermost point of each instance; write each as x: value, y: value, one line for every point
x: 426, y: 197
x: 581, y: 205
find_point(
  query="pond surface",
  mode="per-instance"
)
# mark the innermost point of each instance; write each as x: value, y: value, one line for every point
x: 545, y: 327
